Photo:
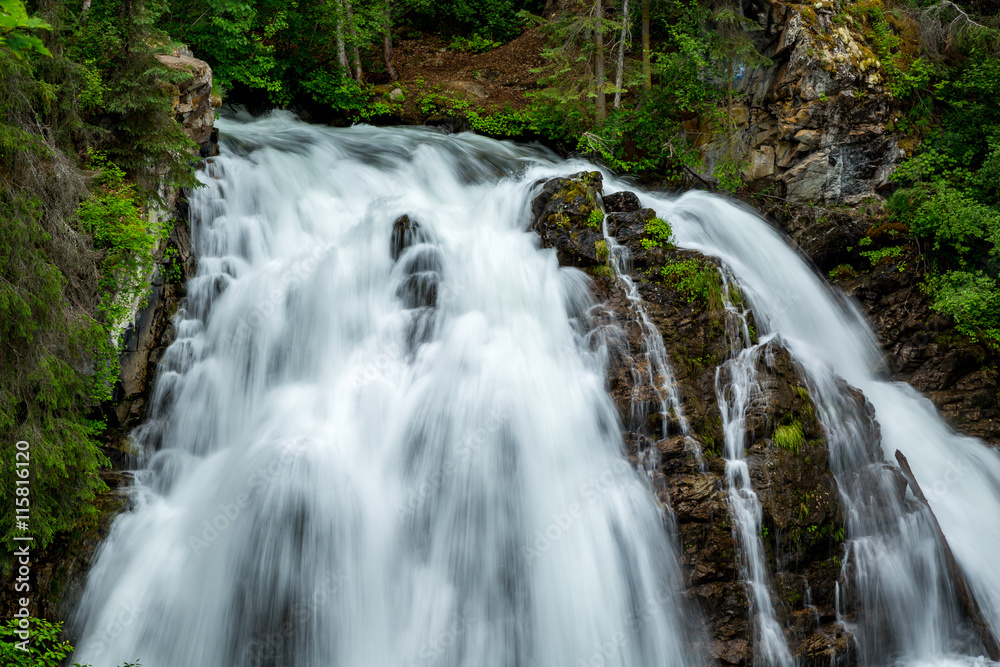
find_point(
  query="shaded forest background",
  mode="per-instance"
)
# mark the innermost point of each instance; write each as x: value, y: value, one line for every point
x: 88, y: 141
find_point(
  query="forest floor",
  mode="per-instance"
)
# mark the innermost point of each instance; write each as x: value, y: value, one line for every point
x: 495, y: 80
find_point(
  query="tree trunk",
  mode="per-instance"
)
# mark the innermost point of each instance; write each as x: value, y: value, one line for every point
x: 341, y: 51
x: 620, y: 74
x: 359, y: 74
x: 965, y: 594
x: 646, y: 74
x: 387, y: 43
x: 602, y: 109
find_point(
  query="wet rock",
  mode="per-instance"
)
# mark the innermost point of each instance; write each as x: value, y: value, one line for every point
x: 799, y: 497
x: 630, y: 229
x: 567, y: 217
x: 960, y: 376
x: 405, y: 233
x: 621, y: 202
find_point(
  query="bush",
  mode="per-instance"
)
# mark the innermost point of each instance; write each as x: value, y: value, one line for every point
x: 972, y: 299
x: 45, y: 648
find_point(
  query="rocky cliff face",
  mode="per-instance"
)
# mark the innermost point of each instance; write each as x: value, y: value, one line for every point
x: 814, y: 124
x: 816, y: 129
x: 60, y: 570
x: 802, y: 523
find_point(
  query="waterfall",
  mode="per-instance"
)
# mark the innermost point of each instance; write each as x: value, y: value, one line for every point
x: 381, y: 443
x: 737, y: 384
x: 909, y: 608
x: 659, y: 374
x: 382, y: 435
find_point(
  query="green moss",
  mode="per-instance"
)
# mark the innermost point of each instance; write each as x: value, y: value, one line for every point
x: 789, y: 437
x: 603, y: 271
x: 601, y: 248
x: 695, y: 281
x: 842, y: 272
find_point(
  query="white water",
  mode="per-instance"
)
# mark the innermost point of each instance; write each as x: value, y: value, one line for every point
x: 737, y: 387
x: 340, y: 473
x: 909, y: 608
x: 659, y: 372
x: 337, y: 474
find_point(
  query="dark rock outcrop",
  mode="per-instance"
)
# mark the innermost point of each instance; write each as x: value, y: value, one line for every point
x: 959, y: 375
x: 803, y: 526
x: 567, y: 216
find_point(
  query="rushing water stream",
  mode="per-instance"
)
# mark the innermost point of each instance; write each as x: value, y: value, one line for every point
x: 370, y: 448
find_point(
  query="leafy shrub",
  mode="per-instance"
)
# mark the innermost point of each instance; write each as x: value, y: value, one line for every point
x: 45, y: 648
x: 972, y: 299
x: 660, y: 234
x: 474, y: 44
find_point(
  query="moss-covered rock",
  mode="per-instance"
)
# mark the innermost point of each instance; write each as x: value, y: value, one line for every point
x: 567, y: 216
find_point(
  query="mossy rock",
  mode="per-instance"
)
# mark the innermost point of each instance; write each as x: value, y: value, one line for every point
x: 564, y: 215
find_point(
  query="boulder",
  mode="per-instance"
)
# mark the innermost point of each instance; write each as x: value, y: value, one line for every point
x: 567, y: 216
x: 193, y: 102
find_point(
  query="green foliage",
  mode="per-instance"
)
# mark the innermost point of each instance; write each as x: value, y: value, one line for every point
x: 728, y: 171
x: 595, y: 219
x: 879, y: 255
x: 694, y: 281
x: 972, y: 299
x: 789, y: 436
x: 87, y: 137
x: 42, y: 393
x: 905, y: 77
x: 501, y: 124
x: 337, y: 91
x: 491, y: 19
x: 14, y: 26
x: 842, y: 272
x: 952, y: 196
x: 113, y: 216
x: 45, y: 648
x: 601, y: 248
x: 474, y: 44
x: 660, y: 234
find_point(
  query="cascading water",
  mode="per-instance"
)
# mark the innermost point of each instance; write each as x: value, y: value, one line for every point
x: 737, y: 385
x: 359, y: 461
x: 908, y: 604
x: 659, y: 373
x: 378, y: 445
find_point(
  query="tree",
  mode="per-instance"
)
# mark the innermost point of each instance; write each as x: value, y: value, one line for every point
x: 387, y: 42
x: 14, y: 24
x: 602, y: 109
x: 647, y: 75
x: 622, y: 41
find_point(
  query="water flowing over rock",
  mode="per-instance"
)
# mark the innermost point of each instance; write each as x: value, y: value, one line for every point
x: 438, y: 400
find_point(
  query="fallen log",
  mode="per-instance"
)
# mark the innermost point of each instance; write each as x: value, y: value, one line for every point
x: 965, y: 594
